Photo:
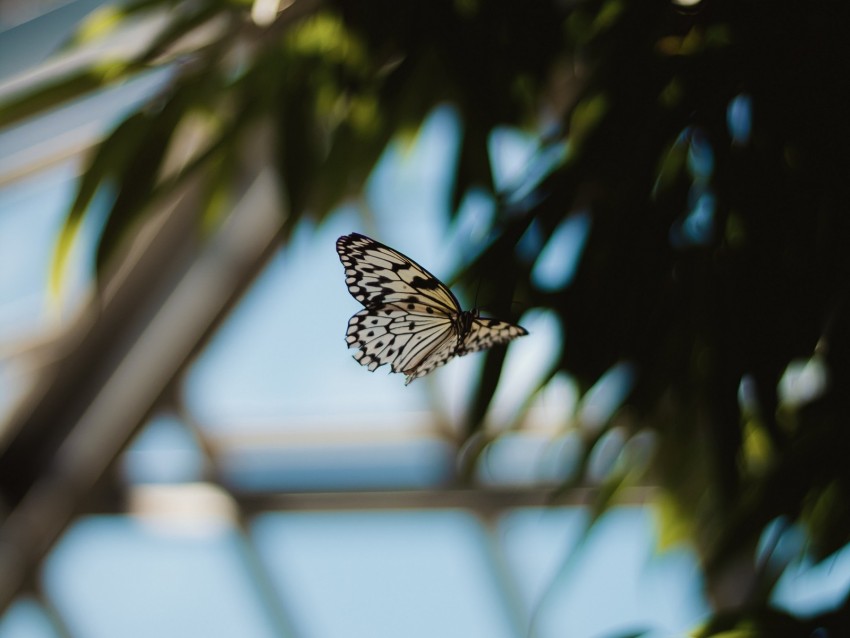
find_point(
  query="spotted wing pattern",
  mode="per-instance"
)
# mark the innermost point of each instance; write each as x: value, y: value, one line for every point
x: 376, y: 275
x: 410, y: 320
x: 406, y: 337
x: 485, y: 333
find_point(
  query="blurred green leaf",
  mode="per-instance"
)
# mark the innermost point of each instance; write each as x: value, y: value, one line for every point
x: 98, y: 23
x: 57, y: 92
x: 827, y: 514
x: 183, y: 24
x: 671, y: 171
x: 141, y: 164
x: 105, y: 168
x: 674, y: 526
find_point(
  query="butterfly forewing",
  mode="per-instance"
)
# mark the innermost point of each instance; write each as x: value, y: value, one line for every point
x: 376, y: 275
x: 410, y: 319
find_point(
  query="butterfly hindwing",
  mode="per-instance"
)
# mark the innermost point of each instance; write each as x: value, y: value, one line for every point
x: 436, y: 358
x: 400, y: 335
x: 410, y: 320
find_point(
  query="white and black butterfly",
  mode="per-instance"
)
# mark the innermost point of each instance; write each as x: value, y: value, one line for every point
x: 410, y: 319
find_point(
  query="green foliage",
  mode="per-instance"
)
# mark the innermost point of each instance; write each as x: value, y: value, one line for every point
x: 709, y: 311
x: 705, y: 314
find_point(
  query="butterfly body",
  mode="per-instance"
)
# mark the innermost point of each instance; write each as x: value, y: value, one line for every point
x: 410, y: 320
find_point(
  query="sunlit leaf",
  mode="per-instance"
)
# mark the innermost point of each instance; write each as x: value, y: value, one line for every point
x: 144, y: 163
x: 756, y: 450
x: 326, y: 36
x: 674, y: 527
x: 106, y: 166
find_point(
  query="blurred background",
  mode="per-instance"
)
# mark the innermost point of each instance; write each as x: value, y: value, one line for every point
x: 656, y: 190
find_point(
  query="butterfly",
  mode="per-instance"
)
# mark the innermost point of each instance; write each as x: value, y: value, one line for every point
x: 410, y: 319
